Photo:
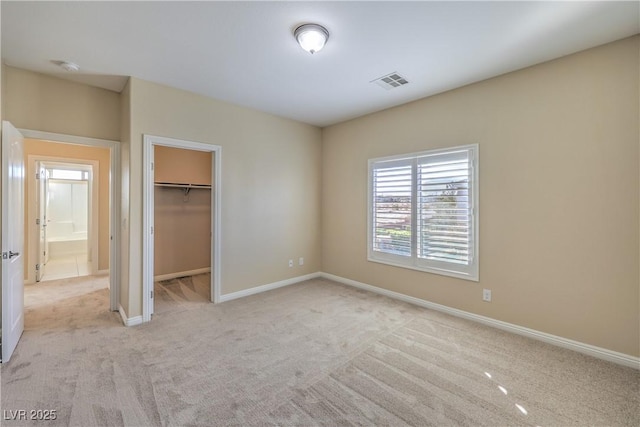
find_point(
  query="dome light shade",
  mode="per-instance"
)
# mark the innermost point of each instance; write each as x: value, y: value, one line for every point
x: 311, y: 37
x: 67, y: 66
x: 70, y: 66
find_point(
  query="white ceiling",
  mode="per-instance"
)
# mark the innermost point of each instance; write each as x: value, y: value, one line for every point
x: 245, y: 53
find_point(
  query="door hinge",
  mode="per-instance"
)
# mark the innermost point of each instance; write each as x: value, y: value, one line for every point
x: 151, y: 230
x: 37, y: 221
x: 37, y: 175
x: 151, y: 165
x: 151, y: 294
x: 37, y: 267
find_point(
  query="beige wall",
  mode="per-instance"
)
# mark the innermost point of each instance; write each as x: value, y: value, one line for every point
x: 559, y: 194
x: 181, y: 230
x: 176, y: 165
x: 125, y: 143
x: 270, y: 184
x: 39, y: 102
x: 34, y: 147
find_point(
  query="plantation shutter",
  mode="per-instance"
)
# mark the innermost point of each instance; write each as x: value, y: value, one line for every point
x: 423, y: 211
x: 445, y: 208
x: 392, y: 207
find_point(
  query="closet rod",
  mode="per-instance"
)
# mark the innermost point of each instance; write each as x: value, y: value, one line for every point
x: 189, y: 186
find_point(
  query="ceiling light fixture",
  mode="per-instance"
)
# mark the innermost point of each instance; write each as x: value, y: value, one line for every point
x: 311, y: 37
x: 67, y: 66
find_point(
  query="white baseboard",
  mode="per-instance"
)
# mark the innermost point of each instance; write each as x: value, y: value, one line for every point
x: 129, y: 321
x: 103, y: 272
x: 267, y: 287
x: 591, y: 350
x: 170, y: 276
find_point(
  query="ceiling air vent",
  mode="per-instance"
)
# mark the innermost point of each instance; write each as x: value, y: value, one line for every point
x: 390, y: 81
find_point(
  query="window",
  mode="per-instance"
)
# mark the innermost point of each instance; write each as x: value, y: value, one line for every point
x: 423, y: 211
x: 69, y: 174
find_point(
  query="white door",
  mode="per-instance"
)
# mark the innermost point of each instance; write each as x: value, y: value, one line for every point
x: 41, y: 220
x: 12, y: 239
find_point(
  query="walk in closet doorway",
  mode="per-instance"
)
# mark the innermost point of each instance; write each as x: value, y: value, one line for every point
x: 180, y: 209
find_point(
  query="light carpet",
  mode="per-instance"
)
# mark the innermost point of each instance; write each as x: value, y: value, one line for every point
x: 314, y: 353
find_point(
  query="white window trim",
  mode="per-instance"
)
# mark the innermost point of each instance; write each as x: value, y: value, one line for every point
x: 413, y: 262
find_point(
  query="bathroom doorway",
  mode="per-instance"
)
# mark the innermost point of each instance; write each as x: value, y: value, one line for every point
x: 65, y: 201
x: 67, y: 211
x: 104, y: 212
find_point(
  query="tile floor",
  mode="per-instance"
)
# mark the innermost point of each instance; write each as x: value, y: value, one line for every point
x: 67, y: 266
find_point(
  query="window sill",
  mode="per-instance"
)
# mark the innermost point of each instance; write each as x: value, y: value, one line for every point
x: 441, y: 272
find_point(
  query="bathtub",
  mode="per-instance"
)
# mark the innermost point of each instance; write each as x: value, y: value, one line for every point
x: 63, y: 246
x: 62, y: 240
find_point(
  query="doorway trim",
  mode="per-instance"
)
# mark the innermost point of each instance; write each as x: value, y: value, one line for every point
x: 114, y: 198
x: 32, y: 213
x: 149, y: 141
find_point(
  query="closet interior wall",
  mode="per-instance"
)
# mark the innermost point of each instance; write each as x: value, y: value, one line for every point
x: 182, y: 212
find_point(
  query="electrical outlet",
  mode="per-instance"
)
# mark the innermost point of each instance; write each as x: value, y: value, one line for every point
x: 290, y: 263
x: 301, y: 261
x: 486, y: 295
